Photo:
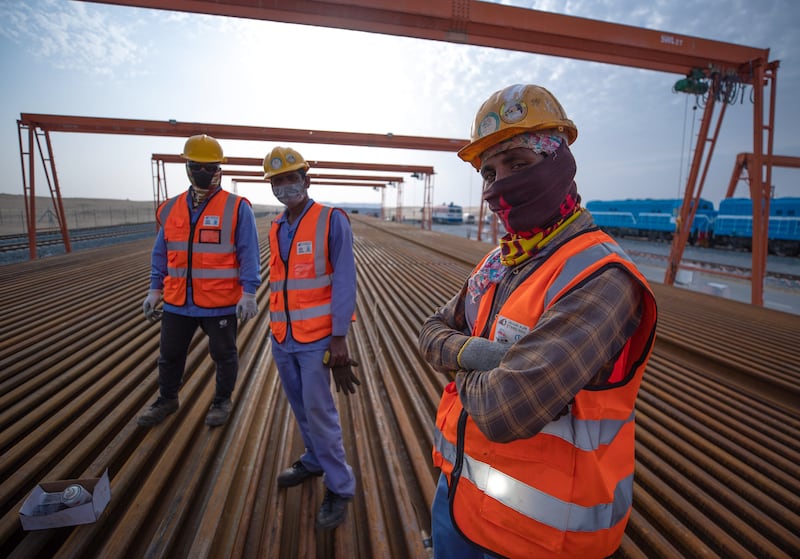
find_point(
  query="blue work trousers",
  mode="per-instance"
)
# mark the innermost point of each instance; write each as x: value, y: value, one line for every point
x: 448, y: 543
x: 307, y: 384
x: 176, y: 334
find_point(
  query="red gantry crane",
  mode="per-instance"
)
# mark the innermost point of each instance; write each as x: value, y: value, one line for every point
x: 36, y: 129
x: 423, y: 172
x: 744, y: 162
x: 718, y: 66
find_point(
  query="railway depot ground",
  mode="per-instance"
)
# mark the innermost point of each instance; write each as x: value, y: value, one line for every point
x: 719, y: 272
x: 717, y: 417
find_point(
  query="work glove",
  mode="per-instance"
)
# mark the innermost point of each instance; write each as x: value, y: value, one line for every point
x: 480, y: 354
x: 149, y: 305
x: 247, y: 307
x: 343, y: 376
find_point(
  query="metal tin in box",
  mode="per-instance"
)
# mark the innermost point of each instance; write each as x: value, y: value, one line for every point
x: 75, y: 495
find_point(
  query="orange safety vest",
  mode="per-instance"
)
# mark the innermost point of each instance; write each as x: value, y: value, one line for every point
x: 567, y: 491
x: 202, y: 254
x: 300, y: 288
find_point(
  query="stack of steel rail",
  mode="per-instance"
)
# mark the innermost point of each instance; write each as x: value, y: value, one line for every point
x: 718, y: 416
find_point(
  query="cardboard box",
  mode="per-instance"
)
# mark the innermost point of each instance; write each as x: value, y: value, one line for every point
x: 81, y: 514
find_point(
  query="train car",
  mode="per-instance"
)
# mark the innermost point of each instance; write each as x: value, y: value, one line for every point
x: 784, y: 226
x: 733, y: 227
x: 729, y: 227
x: 450, y: 214
x: 653, y: 219
x: 616, y: 217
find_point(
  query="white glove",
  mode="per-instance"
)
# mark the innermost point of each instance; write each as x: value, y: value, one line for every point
x: 247, y: 307
x: 480, y: 354
x: 149, y: 305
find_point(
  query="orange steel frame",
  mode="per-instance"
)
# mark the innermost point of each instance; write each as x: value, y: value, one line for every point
x: 761, y: 162
x: 318, y: 182
x: 744, y: 161
x: 41, y: 125
x: 491, y: 25
x: 422, y: 172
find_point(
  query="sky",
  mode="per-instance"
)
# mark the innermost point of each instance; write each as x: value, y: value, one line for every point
x: 636, y: 134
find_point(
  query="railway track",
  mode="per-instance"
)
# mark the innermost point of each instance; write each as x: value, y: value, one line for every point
x: 77, y: 237
x: 717, y: 447
x: 720, y: 269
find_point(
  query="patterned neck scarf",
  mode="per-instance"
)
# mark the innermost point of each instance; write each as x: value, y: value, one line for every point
x: 513, y: 250
x: 200, y: 195
x: 492, y: 271
x: 517, y: 247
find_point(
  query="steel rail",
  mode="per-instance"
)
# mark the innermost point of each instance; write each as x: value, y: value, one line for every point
x: 717, y: 451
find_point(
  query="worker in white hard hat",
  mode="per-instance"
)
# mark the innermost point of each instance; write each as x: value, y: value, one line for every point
x: 545, y: 345
x: 312, y: 303
x: 206, y: 262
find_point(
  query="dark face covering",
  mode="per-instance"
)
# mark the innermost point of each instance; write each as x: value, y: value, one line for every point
x: 202, y: 177
x: 536, y: 197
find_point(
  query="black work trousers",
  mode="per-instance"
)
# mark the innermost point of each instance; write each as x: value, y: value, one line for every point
x: 176, y: 335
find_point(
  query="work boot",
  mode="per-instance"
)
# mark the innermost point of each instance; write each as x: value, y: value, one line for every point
x: 158, y: 412
x: 295, y: 475
x: 219, y: 412
x: 333, y: 510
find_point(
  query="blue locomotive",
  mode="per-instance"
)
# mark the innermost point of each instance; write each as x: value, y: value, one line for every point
x: 729, y: 227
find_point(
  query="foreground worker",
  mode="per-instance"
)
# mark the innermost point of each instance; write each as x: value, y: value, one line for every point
x: 548, y: 338
x: 206, y: 261
x: 312, y: 301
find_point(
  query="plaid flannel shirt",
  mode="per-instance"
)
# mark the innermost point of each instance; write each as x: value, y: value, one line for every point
x: 574, y: 344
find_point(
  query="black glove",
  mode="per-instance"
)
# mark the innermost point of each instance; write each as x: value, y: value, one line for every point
x: 345, y: 379
x: 343, y: 376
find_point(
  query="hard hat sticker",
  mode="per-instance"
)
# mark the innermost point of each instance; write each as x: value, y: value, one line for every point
x: 489, y: 124
x: 290, y: 158
x: 275, y: 163
x: 514, y: 111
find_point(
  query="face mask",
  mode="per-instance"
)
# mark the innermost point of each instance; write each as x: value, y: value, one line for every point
x: 204, y: 176
x: 534, y: 198
x: 290, y: 194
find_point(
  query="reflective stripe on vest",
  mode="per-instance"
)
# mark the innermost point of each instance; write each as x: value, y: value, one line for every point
x: 578, y: 263
x: 537, y: 504
x: 569, y: 489
x: 313, y: 321
x: 211, y: 265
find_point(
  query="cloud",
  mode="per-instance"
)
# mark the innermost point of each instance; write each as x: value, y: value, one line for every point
x: 73, y: 36
x: 635, y: 134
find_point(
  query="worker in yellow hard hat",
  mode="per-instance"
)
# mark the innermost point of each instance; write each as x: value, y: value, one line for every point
x: 313, y: 285
x: 546, y: 344
x: 206, y: 262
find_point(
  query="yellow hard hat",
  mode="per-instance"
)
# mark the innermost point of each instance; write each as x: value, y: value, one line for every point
x: 517, y: 108
x: 203, y: 149
x: 283, y: 160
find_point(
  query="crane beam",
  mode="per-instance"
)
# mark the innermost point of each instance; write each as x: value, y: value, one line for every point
x: 485, y: 24
x: 234, y: 173
x: 100, y: 125
x: 477, y: 23
x: 256, y: 161
x: 322, y: 182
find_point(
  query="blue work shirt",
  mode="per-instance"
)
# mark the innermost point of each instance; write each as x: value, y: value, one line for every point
x: 247, y: 254
x: 343, y: 282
